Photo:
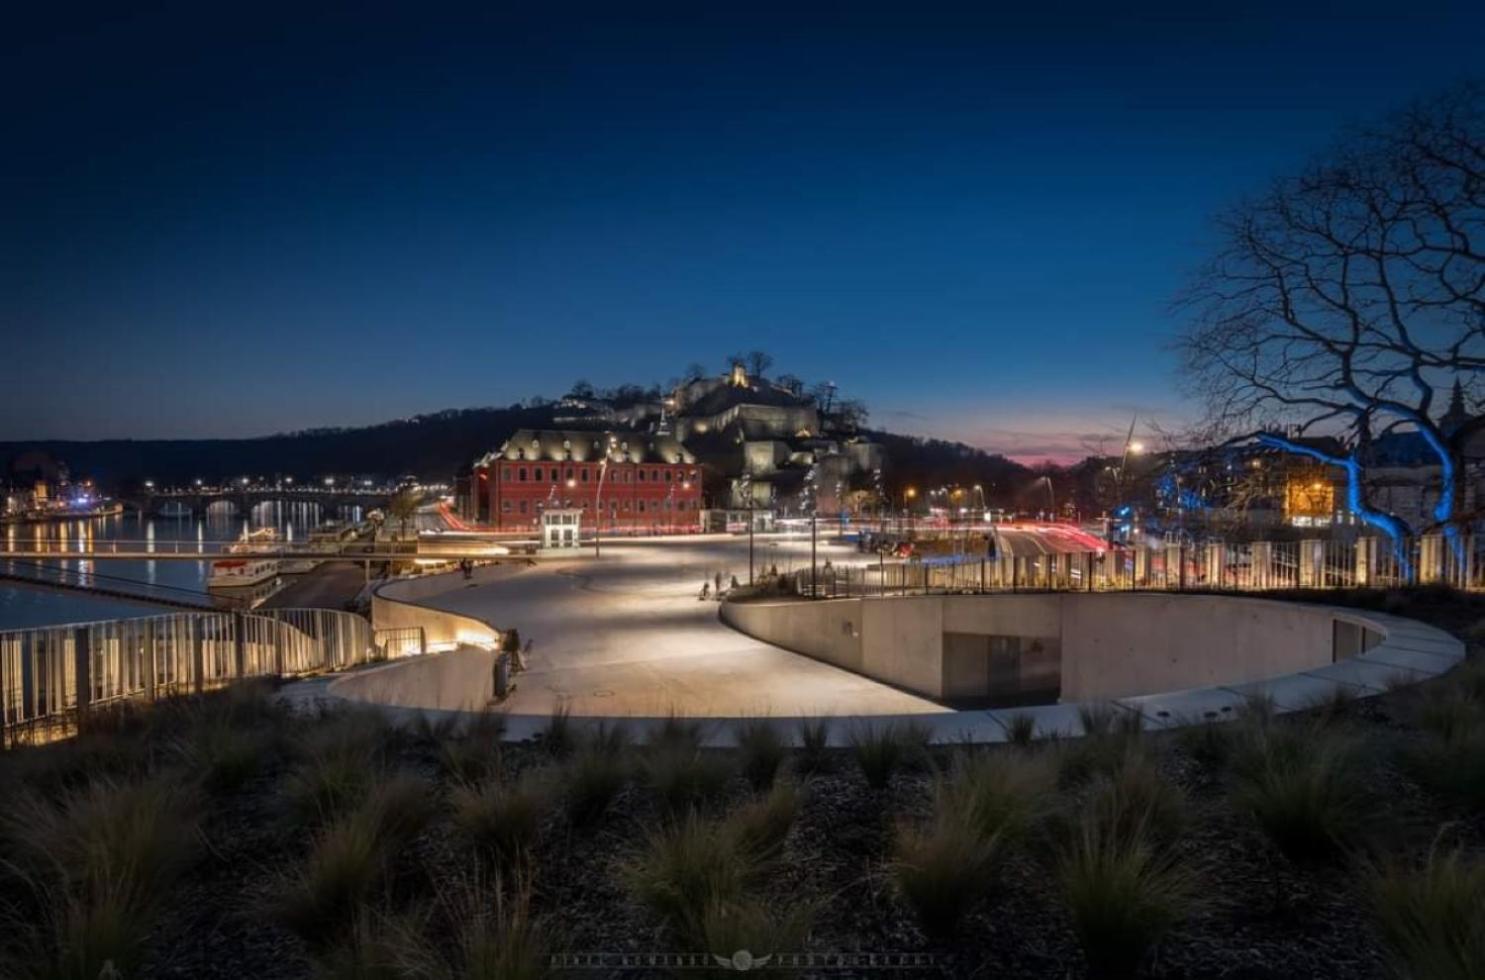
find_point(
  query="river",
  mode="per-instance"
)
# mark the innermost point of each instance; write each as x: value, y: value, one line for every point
x: 24, y: 606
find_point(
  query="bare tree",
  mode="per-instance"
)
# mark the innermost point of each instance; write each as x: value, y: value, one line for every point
x: 1343, y: 300
x: 758, y: 363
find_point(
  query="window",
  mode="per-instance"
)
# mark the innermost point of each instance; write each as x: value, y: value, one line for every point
x: 641, y: 506
x: 585, y: 474
x: 505, y: 506
x: 655, y: 475
x: 538, y: 474
x: 667, y: 476
x: 523, y: 506
x: 569, y: 472
x: 641, y: 476
x: 505, y: 473
x: 521, y: 475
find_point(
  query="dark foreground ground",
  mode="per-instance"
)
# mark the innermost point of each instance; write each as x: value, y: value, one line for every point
x: 222, y: 838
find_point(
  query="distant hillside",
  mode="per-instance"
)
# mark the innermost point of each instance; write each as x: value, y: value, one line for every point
x: 432, y: 447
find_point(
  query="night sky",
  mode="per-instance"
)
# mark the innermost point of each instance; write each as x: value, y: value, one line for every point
x: 975, y: 221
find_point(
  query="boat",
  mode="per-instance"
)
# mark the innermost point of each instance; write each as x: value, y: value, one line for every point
x: 325, y: 540
x: 247, y: 570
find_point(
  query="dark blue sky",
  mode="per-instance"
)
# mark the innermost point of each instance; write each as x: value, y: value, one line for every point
x: 975, y: 220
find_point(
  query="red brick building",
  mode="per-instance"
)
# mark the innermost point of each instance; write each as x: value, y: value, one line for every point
x: 636, y: 480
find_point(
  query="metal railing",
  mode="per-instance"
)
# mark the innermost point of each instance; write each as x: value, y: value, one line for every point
x: 1252, y: 566
x: 50, y: 676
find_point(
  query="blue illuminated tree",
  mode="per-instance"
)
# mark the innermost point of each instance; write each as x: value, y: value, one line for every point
x: 1346, y: 301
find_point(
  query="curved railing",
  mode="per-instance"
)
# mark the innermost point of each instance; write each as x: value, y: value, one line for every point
x: 50, y: 674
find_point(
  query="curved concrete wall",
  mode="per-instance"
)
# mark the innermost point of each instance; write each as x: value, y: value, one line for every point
x: 1096, y: 646
x: 394, y: 606
x: 459, y: 680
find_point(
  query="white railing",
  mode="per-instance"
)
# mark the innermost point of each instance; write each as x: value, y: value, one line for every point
x: 1252, y: 566
x: 50, y: 675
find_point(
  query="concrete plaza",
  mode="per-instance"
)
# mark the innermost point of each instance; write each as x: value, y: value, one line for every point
x: 626, y: 635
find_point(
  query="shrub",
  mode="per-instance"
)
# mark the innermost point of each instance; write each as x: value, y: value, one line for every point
x: 1121, y: 894
x: 1302, y: 787
x: 590, y: 782
x: 943, y: 869
x: 685, y: 776
x: 1020, y: 729
x: 760, y: 752
x: 1430, y: 916
x: 814, y: 742
x: 758, y: 828
x: 501, y: 820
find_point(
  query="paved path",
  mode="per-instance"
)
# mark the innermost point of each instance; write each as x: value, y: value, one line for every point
x: 626, y: 636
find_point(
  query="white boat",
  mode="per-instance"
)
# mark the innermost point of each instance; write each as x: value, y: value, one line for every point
x: 241, y: 573
x: 247, y: 570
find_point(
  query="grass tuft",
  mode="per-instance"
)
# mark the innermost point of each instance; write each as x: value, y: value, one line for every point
x: 814, y: 746
x: 758, y: 828
x: 1020, y: 729
x: 881, y: 750
x: 942, y: 870
x: 1430, y: 916
x: 591, y: 781
x: 1122, y: 894
x: 500, y: 820
x: 761, y: 752
x: 558, y: 736
x: 686, y: 777
x: 1301, y: 785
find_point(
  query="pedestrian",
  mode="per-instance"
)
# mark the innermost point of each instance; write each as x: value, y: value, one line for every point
x: 706, y: 590
x: 718, y: 579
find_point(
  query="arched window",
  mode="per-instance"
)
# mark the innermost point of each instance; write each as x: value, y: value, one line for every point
x: 538, y: 474
x: 521, y: 475
x: 641, y: 476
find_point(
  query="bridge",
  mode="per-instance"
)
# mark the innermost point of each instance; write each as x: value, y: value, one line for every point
x: 155, y: 502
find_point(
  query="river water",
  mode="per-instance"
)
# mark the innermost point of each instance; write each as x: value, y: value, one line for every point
x: 23, y: 606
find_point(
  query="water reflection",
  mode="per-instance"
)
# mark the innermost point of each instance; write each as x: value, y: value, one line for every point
x: 20, y: 606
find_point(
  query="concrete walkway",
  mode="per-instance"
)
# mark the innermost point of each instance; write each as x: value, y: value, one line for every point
x: 625, y: 635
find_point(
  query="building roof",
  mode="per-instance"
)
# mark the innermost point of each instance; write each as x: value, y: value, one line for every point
x: 583, y: 446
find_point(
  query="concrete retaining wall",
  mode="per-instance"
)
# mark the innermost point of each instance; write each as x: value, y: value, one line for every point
x: 461, y: 680
x: 1109, y: 645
